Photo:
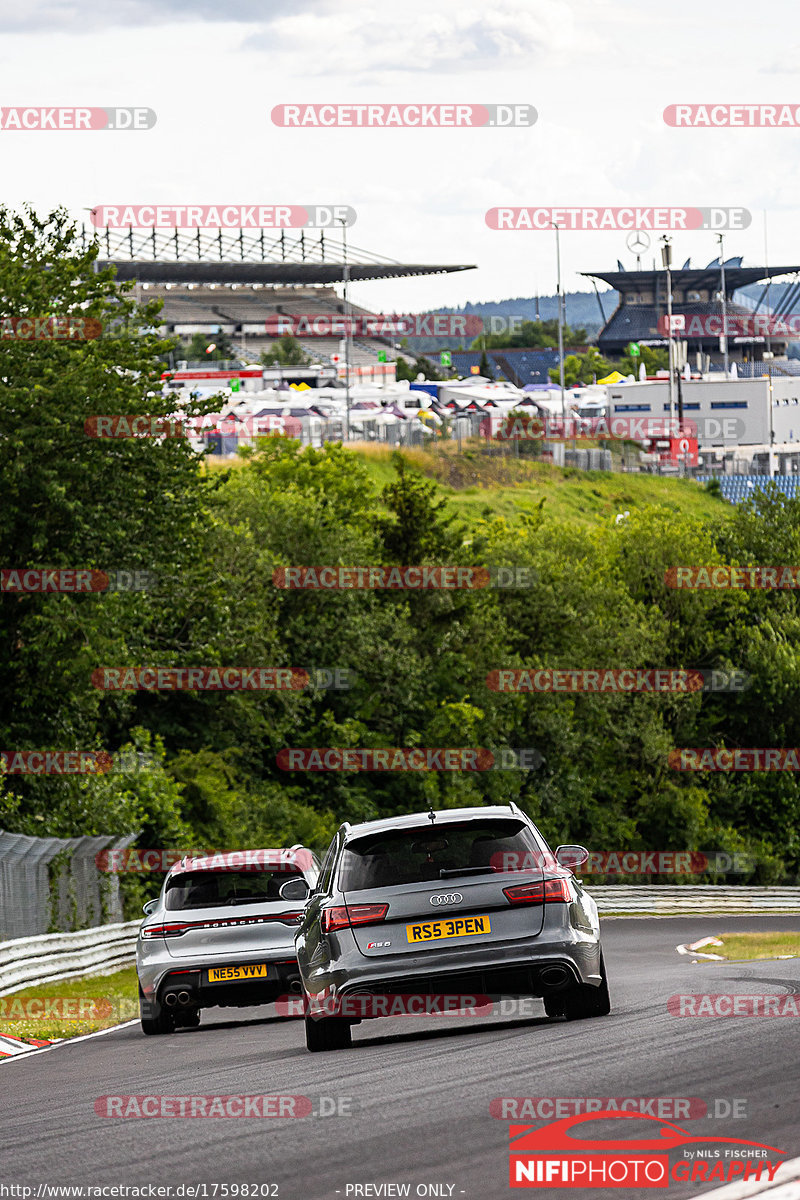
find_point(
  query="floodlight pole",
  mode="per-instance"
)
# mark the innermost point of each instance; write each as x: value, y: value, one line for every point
x: 666, y: 258
x: 724, y: 338
x: 346, y: 282
x: 560, y: 328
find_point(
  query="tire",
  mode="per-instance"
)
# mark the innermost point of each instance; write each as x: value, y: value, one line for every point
x: 328, y: 1033
x: 188, y: 1019
x: 587, y: 1001
x: 152, y: 1026
x: 579, y: 1003
x: 163, y: 1023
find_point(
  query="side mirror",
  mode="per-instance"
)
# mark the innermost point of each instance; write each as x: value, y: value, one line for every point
x: 148, y: 908
x: 572, y: 857
x: 294, y: 889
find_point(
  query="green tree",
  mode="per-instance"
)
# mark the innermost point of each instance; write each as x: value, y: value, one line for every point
x: 655, y: 358
x: 583, y: 368
x: 287, y: 352
x: 72, y: 500
x: 537, y: 335
x: 197, y: 349
x: 421, y: 366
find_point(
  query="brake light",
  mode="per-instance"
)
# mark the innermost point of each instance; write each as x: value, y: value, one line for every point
x: 340, y: 916
x: 177, y: 929
x: 153, y: 931
x: 543, y: 891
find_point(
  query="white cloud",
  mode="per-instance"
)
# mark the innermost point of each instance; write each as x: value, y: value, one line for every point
x: 415, y: 37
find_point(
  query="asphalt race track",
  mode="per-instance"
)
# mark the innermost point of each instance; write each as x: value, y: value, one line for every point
x: 420, y: 1088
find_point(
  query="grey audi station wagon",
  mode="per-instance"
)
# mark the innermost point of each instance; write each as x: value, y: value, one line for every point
x: 467, y: 901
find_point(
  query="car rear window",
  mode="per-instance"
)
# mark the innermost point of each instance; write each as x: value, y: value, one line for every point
x: 420, y: 854
x: 212, y: 889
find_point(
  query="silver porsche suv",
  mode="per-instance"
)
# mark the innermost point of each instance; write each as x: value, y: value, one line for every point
x: 453, y: 903
x: 222, y: 933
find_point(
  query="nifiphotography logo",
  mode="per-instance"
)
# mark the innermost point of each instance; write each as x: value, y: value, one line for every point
x: 549, y: 1157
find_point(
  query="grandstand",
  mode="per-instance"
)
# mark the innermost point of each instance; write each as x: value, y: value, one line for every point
x: 696, y: 292
x: 736, y: 488
x: 212, y: 282
x: 520, y: 367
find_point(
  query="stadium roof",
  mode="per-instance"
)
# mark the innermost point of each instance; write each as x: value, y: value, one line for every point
x: 296, y: 256
x: 699, y: 277
x: 284, y: 274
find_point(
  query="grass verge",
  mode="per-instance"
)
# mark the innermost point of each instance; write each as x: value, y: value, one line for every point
x: 757, y: 945
x: 70, y: 1007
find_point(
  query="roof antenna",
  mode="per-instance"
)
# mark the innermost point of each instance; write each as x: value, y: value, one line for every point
x: 431, y: 815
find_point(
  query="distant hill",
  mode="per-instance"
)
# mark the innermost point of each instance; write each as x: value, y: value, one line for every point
x: 583, y: 311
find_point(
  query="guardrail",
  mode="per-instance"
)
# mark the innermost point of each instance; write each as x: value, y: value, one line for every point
x: 26, y: 962
x: 667, y: 899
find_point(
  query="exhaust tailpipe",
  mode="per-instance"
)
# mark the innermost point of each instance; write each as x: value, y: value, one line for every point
x: 554, y: 977
x: 171, y: 999
x: 184, y: 998
x: 295, y: 986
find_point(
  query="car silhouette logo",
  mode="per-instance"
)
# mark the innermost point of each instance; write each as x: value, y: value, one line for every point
x: 555, y: 1136
x: 447, y: 898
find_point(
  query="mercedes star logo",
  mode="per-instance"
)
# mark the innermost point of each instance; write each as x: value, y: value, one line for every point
x: 637, y: 242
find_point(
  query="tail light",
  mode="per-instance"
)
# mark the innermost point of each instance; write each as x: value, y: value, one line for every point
x: 154, y: 931
x: 340, y: 916
x: 179, y: 928
x: 543, y: 891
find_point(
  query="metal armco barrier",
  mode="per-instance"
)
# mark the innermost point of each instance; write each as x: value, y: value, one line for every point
x: 26, y: 962
x: 692, y: 899
x: 53, y: 883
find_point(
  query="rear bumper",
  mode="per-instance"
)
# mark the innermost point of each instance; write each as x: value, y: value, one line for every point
x: 557, y: 959
x: 189, y: 980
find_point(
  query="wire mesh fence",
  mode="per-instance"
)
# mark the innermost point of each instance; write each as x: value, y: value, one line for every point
x: 53, y: 885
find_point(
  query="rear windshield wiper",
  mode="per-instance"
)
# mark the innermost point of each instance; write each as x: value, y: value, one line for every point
x: 450, y: 874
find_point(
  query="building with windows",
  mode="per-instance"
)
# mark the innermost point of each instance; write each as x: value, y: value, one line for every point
x: 697, y: 296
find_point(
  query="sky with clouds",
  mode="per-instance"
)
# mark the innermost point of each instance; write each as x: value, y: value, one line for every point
x: 599, y: 73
